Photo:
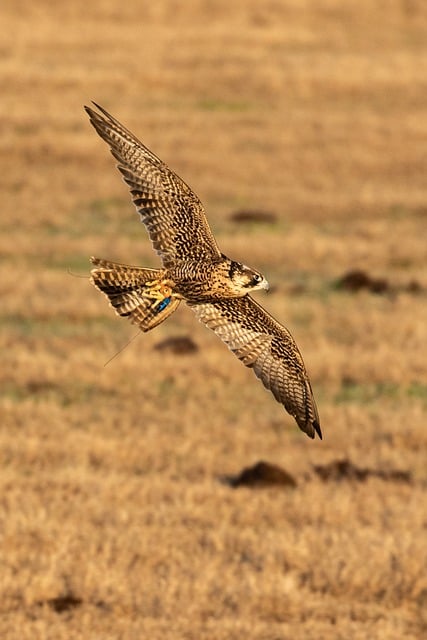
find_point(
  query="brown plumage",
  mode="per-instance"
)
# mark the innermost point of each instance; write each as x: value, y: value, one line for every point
x: 194, y: 270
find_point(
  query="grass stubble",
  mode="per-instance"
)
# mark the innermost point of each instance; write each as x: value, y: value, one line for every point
x: 114, y: 519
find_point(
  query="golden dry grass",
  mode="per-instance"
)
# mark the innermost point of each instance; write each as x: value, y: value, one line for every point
x: 114, y: 520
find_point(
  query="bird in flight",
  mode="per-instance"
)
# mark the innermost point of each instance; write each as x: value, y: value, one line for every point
x: 194, y: 270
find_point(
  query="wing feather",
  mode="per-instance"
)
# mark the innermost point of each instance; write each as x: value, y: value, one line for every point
x: 263, y: 344
x: 171, y: 211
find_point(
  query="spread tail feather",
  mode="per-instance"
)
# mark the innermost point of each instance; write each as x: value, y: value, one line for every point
x: 145, y: 296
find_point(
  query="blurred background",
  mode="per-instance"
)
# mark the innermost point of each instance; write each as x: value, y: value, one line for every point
x: 302, y: 127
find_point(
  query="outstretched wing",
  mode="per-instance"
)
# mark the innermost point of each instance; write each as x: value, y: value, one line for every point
x: 266, y: 346
x: 171, y: 211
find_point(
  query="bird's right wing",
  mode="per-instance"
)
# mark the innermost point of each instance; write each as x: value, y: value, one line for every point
x: 263, y: 344
x: 171, y: 211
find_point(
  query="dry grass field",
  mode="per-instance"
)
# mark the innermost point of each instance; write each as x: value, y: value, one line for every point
x: 117, y: 519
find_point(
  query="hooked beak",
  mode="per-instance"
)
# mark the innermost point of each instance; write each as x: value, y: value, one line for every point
x: 264, y: 285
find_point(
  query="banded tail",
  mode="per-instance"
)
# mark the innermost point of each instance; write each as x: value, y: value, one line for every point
x: 145, y: 296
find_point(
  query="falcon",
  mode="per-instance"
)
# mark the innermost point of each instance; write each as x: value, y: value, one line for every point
x: 215, y: 287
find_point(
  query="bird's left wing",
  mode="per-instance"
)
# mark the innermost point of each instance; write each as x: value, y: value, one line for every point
x: 263, y: 344
x: 172, y: 213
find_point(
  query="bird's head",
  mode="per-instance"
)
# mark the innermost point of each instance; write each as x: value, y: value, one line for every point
x: 246, y: 279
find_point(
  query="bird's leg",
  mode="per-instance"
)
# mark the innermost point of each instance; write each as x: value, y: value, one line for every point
x: 157, y: 290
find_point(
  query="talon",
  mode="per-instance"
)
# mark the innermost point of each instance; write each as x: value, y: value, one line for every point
x: 159, y: 292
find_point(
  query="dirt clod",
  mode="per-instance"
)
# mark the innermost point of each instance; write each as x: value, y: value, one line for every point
x: 261, y: 475
x: 255, y: 215
x: 344, y: 469
x: 179, y: 345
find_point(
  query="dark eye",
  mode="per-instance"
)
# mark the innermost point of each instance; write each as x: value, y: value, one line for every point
x: 256, y: 278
